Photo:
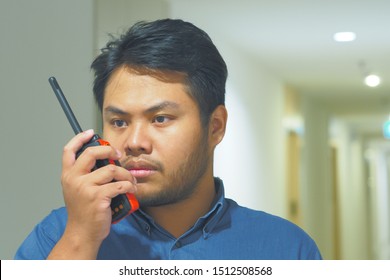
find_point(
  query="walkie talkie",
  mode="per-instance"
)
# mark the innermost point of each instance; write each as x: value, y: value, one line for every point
x: 121, y: 205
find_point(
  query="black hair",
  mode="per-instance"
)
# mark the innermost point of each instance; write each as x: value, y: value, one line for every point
x: 167, y: 45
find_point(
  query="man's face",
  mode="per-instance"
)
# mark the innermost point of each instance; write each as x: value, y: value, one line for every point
x: 156, y: 125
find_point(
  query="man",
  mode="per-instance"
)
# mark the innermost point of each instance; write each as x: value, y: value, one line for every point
x: 160, y: 88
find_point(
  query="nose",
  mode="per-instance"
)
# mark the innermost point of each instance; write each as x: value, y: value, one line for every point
x: 138, y: 140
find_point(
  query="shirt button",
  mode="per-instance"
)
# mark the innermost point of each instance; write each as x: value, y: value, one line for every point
x: 147, y: 228
x: 178, y: 244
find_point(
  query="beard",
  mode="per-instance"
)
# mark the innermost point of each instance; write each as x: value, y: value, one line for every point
x: 182, y: 182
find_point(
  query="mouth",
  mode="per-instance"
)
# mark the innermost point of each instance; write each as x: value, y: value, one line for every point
x: 141, y: 172
x: 141, y: 169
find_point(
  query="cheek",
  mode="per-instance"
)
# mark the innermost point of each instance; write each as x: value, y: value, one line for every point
x: 185, y: 143
x: 177, y: 145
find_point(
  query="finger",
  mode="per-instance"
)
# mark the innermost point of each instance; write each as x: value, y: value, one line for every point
x: 110, y: 173
x: 113, y: 189
x: 87, y: 160
x: 75, y: 144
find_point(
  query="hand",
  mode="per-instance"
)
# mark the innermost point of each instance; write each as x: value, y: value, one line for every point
x: 88, y: 194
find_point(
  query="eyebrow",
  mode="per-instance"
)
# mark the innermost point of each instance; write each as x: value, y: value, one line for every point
x: 154, y: 108
x: 163, y: 105
x: 114, y: 110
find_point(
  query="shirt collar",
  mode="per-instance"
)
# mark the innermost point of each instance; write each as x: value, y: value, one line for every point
x: 207, y: 222
x: 215, y: 214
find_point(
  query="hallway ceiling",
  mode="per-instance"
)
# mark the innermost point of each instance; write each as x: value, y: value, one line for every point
x: 294, y: 40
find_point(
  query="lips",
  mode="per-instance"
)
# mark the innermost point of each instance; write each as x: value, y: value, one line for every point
x: 141, y: 169
x: 141, y: 173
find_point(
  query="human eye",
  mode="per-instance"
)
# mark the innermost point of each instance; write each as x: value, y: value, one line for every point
x: 161, y: 119
x: 119, y: 123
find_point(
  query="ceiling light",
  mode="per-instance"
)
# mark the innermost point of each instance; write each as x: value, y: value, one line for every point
x: 344, y: 36
x: 372, y: 80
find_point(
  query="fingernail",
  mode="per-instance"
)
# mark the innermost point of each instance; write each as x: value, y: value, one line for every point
x: 88, y: 131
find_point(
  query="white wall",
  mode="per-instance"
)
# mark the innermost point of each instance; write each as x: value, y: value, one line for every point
x: 353, y: 192
x: 114, y: 17
x: 377, y: 156
x: 250, y: 159
x: 316, y: 188
x: 38, y: 39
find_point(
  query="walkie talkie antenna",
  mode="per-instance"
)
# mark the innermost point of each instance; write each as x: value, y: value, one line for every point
x: 65, y: 105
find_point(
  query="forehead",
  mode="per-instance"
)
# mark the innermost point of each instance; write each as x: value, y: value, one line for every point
x: 129, y: 83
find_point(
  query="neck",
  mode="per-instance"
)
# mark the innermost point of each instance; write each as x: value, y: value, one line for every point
x: 179, y: 217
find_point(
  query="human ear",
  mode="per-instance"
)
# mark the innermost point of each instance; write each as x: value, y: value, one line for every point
x: 217, y: 125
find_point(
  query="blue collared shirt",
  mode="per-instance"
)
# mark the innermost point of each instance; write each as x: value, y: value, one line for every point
x: 227, y: 231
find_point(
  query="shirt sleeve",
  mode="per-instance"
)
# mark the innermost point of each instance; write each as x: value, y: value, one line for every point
x: 314, y: 253
x: 45, y: 235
